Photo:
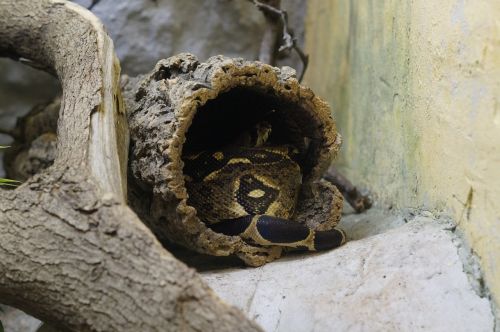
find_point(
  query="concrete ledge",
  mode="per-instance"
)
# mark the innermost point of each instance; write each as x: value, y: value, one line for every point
x: 405, y: 279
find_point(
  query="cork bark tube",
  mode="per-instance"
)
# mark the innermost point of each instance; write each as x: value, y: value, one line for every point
x: 184, y: 104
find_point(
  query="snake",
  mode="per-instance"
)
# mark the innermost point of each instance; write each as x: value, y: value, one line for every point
x: 252, y: 192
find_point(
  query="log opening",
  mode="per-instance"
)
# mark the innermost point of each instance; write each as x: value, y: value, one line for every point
x: 222, y: 121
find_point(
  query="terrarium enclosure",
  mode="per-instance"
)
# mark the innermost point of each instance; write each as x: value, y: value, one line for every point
x: 401, y: 96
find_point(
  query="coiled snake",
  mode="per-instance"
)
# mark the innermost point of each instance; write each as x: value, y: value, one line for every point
x: 252, y: 192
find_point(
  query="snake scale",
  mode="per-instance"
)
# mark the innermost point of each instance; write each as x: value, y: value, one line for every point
x: 251, y: 192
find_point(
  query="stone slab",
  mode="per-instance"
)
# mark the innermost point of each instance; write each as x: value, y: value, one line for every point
x: 407, y: 278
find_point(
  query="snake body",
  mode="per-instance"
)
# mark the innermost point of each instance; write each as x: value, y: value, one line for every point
x: 252, y: 192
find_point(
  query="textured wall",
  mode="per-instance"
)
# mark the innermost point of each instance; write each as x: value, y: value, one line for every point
x: 416, y: 89
x: 145, y: 31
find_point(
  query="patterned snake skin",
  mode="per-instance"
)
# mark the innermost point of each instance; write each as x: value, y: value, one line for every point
x: 251, y: 192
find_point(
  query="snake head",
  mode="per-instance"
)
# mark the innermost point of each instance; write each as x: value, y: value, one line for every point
x: 261, y: 133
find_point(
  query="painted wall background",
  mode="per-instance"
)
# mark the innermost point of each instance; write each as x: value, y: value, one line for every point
x: 415, y: 88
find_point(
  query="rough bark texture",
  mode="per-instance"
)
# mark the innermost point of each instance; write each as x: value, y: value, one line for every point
x: 71, y: 252
x: 35, y: 142
x: 228, y: 95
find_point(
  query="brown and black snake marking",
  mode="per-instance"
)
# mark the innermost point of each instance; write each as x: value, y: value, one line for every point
x: 268, y: 230
x: 252, y: 193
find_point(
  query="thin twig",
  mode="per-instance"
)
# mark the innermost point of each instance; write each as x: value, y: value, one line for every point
x: 289, y: 42
x: 356, y: 199
x: 305, y: 61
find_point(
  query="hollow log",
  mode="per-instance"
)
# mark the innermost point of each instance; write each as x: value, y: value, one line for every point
x: 71, y: 251
x: 184, y: 105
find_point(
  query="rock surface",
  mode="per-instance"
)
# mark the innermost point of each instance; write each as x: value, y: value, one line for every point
x: 407, y: 278
x: 14, y: 320
x: 145, y: 31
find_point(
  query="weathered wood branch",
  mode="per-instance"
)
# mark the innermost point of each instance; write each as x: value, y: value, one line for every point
x: 71, y: 252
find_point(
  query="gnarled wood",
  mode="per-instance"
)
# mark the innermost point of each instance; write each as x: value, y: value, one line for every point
x: 71, y: 252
